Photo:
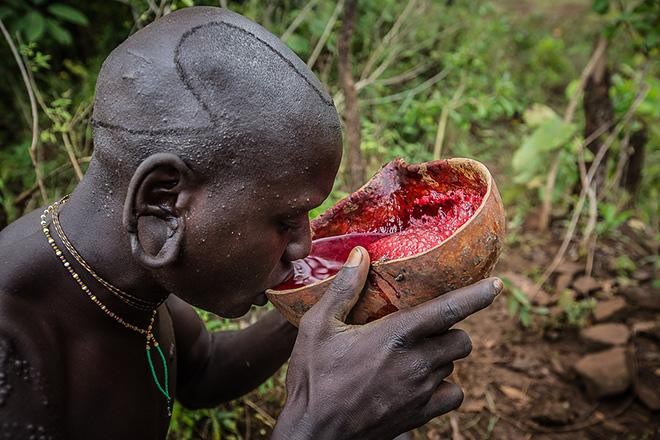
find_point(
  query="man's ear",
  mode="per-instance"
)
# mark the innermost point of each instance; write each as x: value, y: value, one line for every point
x: 161, y: 187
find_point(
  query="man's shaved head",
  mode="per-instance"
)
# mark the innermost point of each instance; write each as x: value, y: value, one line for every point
x: 215, y: 141
x: 214, y: 88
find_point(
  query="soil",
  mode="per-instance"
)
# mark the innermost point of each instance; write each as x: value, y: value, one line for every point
x: 521, y: 383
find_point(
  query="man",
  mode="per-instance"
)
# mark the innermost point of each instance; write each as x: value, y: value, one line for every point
x: 212, y: 143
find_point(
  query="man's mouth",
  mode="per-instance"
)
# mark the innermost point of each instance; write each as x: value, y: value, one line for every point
x: 261, y: 299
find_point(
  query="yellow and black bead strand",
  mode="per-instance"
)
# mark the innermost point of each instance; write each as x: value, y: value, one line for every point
x: 148, y: 332
x: 133, y: 301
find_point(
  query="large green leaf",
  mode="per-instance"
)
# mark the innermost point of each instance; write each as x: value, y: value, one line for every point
x: 537, y: 114
x: 60, y: 34
x: 68, y: 13
x: 33, y: 26
x: 530, y: 158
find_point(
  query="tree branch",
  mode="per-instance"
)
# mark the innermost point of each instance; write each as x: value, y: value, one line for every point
x: 326, y: 33
x: 33, y: 109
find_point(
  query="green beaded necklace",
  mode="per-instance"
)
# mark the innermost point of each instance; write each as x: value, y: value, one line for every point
x: 151, y: 342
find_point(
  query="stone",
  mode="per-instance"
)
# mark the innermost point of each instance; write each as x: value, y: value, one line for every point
x: 646, y: 298
x: 647, y: 328
x: 605, y: 373
x: 563, y: 282
x: 552, y: 413
x: 606, y: 334
x: 584, y: 285
x: 609, y: 309
x: 647, y: 387
x: 641, y: 275
x: 570, y: 268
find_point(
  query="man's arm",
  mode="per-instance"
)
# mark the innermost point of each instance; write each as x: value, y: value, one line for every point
x: 215, y: 367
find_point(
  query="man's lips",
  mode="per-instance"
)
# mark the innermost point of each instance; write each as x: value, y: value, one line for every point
x: 261, y: 298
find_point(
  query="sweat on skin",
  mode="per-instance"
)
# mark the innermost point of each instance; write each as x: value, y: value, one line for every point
x: 212, y: 143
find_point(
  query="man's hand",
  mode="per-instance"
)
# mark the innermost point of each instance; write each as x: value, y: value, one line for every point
x: 377, y: 380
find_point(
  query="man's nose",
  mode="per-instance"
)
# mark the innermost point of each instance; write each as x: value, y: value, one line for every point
x: 300, y: 245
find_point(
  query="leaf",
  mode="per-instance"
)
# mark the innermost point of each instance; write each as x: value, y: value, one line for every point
x: 601, y: 6
x: 33, y: 26
x: 529, y: 159
x: 60, y: 34
x: 5, y: 12
x: 538, y: 114
x: 67, y: 13
x: 513, y: 393
x: 298, y: 44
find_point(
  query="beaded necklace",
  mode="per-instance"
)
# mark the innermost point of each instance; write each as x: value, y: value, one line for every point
x: 151, y: 342
x: 133, y: 301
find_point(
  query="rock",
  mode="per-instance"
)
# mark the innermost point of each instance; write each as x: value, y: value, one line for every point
x: 641, y: 275
x: 605, y: 373
x: 609, y: 309
x: 552, y: 413
x: 647, y: 388
x: 645, y: 298
x: 606, y: 334
x: 570, y: 268
x: 647, y: 328
x: 563, y: 282
x: 585, y: 284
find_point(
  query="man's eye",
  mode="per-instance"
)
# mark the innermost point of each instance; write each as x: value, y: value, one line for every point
x: 285, y: 225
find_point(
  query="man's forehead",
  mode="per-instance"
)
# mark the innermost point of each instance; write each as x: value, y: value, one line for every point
x: 298, y: 185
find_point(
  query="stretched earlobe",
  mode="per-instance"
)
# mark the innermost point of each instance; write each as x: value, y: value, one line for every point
x: 167, y: 254
x: 159, y: 188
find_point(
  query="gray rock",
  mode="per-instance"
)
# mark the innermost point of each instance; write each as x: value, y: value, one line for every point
x: 605, y: 373
x: 606, y: 335
x: 609, y: 309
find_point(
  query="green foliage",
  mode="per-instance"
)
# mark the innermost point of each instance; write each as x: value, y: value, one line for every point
x: 550, y: 134
x: 624, y: 265
x: 212, y: 424
x: 641, y: 18
x: 502, y: 77
x: 519, y: 305
x: 35, y: 19
x: 611, y: 218
x: 576, y: 312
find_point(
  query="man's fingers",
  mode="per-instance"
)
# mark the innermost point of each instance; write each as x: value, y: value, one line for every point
x: 345, y: 289
x: 436, y: 316
x: 447, y: 397
x: 446, y: 348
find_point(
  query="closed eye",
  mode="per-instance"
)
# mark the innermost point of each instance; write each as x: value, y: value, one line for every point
x: 291, y: 223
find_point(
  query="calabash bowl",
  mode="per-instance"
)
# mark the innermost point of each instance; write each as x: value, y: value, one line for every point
x: 434, y: 262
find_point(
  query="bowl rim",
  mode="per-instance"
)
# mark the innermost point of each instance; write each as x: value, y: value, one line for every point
x: 484, y: 171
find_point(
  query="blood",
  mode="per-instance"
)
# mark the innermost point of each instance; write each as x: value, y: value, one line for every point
x: 399, y: 214
x: 326, y: 258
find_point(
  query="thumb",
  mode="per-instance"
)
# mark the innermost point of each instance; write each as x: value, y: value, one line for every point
x: 345, y: 289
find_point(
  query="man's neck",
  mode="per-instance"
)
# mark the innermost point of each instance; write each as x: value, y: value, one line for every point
x: 92, y: 221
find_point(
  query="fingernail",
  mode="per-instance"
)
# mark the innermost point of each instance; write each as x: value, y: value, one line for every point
x: 354, y: 258
x: 498, y: 285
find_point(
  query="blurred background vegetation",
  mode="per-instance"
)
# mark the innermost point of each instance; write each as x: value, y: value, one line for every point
x: 560, y: 98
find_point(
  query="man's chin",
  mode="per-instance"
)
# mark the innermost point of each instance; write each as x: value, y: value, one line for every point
x: 238, y: 310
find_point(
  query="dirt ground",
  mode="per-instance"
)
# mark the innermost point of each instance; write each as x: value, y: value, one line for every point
x: 522, y: 383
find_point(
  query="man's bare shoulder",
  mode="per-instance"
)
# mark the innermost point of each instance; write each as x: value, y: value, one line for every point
x: 29, y: 362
